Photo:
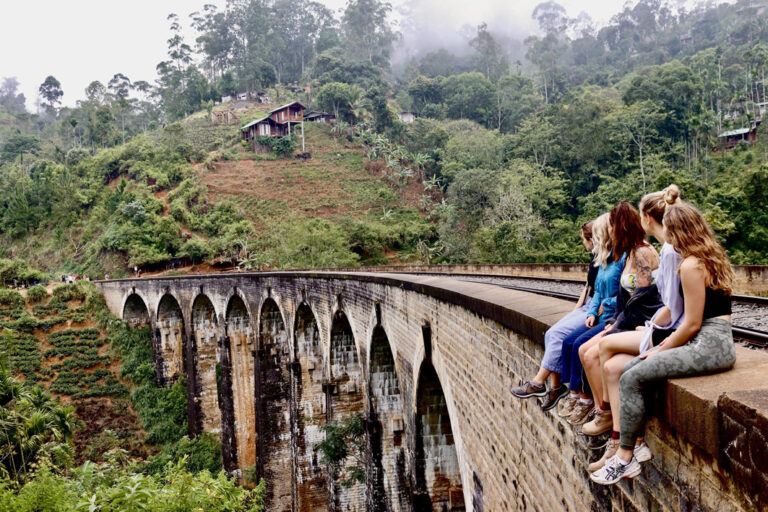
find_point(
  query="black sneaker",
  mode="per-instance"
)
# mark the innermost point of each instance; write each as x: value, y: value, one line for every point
x: 529, y: 389
x: 598, y: 442
x: 554, y: 396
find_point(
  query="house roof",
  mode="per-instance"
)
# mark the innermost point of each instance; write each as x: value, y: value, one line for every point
x: 254, y: 122
x: 739, y: 131
x: 286, y: 106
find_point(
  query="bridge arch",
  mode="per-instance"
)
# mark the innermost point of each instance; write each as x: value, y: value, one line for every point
x: 310, y: 413
x: 240, y: 347
x: 273, y: 400
x: 170, y: 340
x: 205, y: 331
x: 386, y: 429
x: 136, y: 311
x: 438, y: 479
x: 345, y: 397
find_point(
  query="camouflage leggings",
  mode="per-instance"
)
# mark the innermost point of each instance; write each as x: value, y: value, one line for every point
x: 710, y: 351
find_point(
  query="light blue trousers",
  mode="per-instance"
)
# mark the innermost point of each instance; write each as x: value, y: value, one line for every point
x: 553, y: 338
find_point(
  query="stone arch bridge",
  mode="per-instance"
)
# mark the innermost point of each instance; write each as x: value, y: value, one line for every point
x: 427, y: 364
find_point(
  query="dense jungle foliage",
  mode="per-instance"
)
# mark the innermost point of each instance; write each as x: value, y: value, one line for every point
x: 514, y: 147
x: 55, y: 454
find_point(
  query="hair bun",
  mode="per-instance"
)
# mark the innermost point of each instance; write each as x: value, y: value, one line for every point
x: 671, y: 194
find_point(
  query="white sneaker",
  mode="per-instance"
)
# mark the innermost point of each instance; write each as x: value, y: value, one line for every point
x: 614, y: 470
x: 643, y: 453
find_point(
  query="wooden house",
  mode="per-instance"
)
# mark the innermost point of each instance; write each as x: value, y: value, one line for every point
x: 278, y: 123
x: 315, y: 116
x: 407, y: 117
x: 732, y: 138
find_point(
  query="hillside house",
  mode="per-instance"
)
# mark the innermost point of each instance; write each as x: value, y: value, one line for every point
x: 407, y: 117
x: 278, y: 123
x: 732, y: 138
x: 315, y: 116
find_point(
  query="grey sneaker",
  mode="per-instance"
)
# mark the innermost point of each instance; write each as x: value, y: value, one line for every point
x: 554, y: 396
x: 610, y: 450
x: 565, y: 407
x: 643, y: 453
x: 581, y: 413
x: 614, y: 470
x: 529, y: 389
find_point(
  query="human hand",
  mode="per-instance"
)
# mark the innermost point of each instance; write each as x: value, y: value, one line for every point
x: 590, y: 322
x: 607, y: 326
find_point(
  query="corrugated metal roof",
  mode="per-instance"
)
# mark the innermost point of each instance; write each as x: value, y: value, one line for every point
x: 740, y: 131
x: 287, y: 105
x: 253, y: 123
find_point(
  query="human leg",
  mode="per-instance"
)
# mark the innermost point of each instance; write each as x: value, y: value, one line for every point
x: 553, y: 340
x: 710, y: 351
x: 590, y: 359
x: 612, y: 370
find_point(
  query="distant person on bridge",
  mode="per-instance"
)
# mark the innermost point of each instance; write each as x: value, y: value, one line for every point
x: 604, y: 358
x: 551, y: 363
x: 702, y: 344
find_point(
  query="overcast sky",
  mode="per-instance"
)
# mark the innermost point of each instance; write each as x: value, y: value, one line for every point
x: 78, y: 41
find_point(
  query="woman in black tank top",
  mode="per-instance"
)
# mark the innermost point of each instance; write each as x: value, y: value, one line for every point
x: 702, y: 344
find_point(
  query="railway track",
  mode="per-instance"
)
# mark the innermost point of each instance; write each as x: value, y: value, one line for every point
x: 750, y: 313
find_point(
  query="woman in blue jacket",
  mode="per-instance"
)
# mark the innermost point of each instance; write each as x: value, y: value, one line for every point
x: 602, y: 307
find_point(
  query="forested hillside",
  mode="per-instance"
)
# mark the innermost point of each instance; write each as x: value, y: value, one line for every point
x: 511, y: 151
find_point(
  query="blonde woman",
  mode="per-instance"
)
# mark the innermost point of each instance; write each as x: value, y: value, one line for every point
x: 702, y: 344
x: 602, y: 307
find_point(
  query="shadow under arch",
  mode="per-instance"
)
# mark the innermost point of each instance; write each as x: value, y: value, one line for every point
x: 207, y: 363
x: 238, y: 353
x: 386, y: 486
x: 273, y: 399
x: 135, y: 311
x: 310, y: 412
x: 344, y: 397
x: 437, y: 473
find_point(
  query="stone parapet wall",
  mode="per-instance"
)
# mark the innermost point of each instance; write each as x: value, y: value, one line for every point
x: 481, y: 340
x: 750, y: 279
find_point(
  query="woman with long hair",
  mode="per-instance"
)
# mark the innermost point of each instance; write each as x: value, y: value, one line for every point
x: 551, y: 364
x: 603, y: 306
x: 702, y: 344
x: 604, y: 362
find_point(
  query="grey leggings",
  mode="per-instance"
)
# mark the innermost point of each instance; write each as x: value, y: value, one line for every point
x: 710, y: 351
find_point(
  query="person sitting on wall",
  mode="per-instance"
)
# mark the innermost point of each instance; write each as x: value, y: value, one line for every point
x: 551, y: 363
x: 702, y: 344
x: 604, y: 361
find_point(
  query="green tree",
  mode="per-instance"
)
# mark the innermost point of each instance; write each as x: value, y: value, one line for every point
x: 51, y: 92
x: 367, y: 34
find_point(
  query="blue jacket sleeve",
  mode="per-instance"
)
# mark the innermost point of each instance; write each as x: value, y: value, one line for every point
x: 609, y: 304
x: 594, y: 304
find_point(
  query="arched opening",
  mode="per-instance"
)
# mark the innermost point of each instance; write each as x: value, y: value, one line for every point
x: 242, y: 352
x: 273, y: 396
x: 208, y: 370
x: 438, y: 478
x: 312, y: 488
x: 387, y: 490
x: 135, y: 311
x: 169, y: 339
x: 345, y: 399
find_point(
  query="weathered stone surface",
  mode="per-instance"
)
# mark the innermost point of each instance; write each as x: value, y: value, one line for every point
x: 465, y: 443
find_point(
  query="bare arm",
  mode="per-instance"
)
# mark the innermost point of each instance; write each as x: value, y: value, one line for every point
x: 582, y: 297
x: 646, y: 261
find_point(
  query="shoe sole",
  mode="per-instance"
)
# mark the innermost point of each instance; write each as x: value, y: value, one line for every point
x: 644, y: 459
x: 531, y: 395
x: 597, y: 433
x: 580, y: 421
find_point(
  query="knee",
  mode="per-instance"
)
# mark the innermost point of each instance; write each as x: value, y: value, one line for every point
x: 589, y: 357
x: 612, y: 370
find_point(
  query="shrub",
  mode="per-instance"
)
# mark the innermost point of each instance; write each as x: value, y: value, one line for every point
x: 11, y: 299
x: 37, y: 294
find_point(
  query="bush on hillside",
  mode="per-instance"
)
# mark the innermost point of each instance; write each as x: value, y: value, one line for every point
x: 37, y: 294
